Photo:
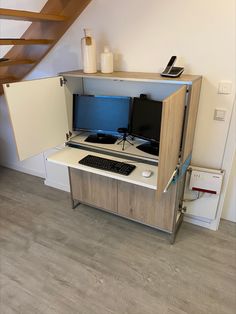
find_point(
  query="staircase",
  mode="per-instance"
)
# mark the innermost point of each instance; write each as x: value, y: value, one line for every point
x: 46, y: 29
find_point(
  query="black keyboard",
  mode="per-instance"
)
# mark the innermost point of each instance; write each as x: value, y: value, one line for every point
x: 107, y: 164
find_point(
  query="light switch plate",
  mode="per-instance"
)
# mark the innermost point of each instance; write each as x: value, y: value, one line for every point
x: 219, y: 114
x: 225, y: 87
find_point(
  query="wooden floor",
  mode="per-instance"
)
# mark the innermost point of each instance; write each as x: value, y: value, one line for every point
x: 56, y: 260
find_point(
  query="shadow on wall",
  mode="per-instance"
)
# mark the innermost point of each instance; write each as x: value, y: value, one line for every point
x: 64, y: 59
x: 8, y: 151
x: 101, y: 42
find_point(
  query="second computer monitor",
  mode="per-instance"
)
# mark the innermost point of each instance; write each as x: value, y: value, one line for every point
x: 146, y: 122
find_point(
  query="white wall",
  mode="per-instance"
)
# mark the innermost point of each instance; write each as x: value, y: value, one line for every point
x: 143, y: 35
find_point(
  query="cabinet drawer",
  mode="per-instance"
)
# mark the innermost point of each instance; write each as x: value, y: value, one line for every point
x: 93, y: 189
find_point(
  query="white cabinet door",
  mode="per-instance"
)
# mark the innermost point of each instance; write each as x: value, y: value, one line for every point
x: 38, y: 114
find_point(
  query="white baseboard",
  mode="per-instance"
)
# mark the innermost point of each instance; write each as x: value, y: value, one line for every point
x: 23, y: 169
x: 211, y: 224
x: 37, y: 174
x: 57, y: 185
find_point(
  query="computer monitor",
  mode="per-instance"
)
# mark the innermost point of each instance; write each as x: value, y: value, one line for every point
x: 104, y: 114
x: 146, y: 123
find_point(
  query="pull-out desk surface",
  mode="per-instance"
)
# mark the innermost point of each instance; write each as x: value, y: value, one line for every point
x: 70, y: 157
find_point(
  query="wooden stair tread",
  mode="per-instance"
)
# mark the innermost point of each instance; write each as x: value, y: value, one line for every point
x: 31, y: 48
x: 22, y: 41
x: 16, y: 62
x: 8, y: 79
x: 29, y: 16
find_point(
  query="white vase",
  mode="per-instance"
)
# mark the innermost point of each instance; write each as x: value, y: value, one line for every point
x: 106, y: 61
x: 88, y: 46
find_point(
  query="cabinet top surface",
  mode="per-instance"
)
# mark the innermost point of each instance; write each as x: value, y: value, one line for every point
x: 135, y: 76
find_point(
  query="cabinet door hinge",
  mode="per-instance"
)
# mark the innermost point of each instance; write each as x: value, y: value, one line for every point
x: 182, y: 209
x: 68, y: 135
x: 62, y: 81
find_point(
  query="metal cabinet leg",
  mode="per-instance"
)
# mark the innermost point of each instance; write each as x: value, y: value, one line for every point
x: 74, y: 203
x: 174, y: 233
x: 172, y: 237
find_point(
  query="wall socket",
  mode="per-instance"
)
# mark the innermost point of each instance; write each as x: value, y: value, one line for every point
x: 219, y: 114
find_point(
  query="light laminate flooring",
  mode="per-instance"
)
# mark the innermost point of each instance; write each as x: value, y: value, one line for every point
x: 59, y: 261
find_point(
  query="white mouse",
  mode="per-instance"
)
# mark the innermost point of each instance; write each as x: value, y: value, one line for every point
x: 147, y: 173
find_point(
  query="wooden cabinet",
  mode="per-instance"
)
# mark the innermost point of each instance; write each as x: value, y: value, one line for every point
x: 143, y: 205
x: 128, y: 200
x: 135, y: 202
x: 41, y: 115
x: 94, y: 189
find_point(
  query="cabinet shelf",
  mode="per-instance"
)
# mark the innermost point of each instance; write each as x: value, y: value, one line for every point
x: 29, y: 16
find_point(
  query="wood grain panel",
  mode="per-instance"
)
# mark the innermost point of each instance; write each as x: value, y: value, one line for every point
x: 135, y: 201
x: 163, y: 215
x: 143, y: 205
x: 89, y: 188
x: 136, y: 76
x: 170, y: 138
x: 191, y: 118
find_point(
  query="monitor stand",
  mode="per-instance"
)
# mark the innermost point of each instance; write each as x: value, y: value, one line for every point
x: 149, y: 148
x: 100, y: 138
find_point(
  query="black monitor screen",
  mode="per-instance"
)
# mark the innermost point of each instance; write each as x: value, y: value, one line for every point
x: 100, y: 113
x: 146, y: 119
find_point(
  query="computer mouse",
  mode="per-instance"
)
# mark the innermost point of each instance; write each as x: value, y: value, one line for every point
x: 147, y: 173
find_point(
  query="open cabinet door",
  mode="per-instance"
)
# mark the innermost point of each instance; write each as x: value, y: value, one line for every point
x: 38, y: 114
x: 170, y: 139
